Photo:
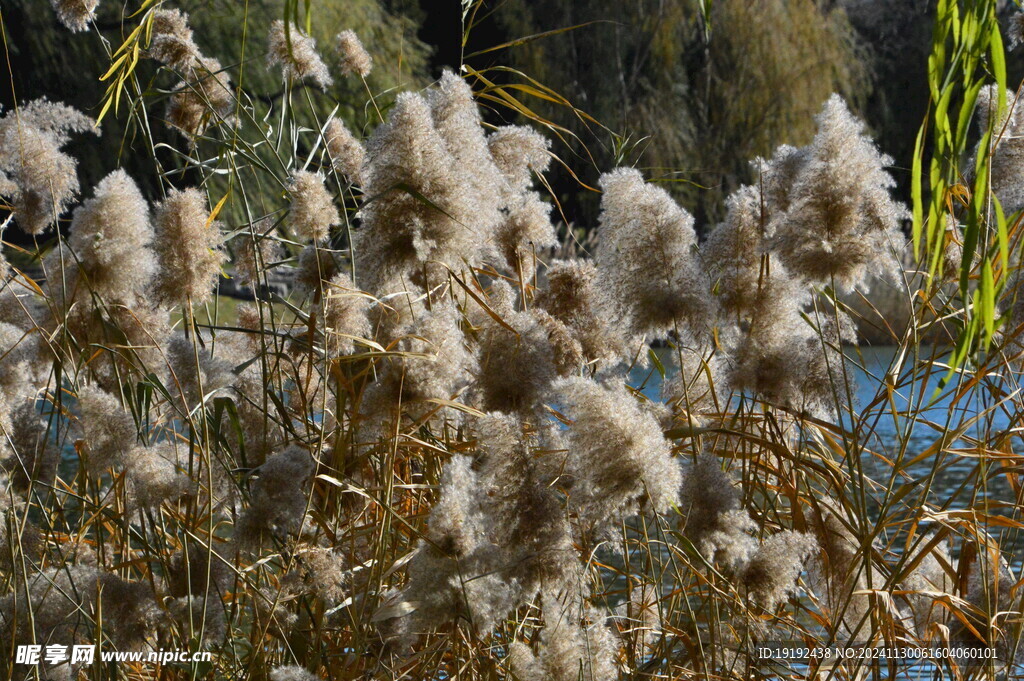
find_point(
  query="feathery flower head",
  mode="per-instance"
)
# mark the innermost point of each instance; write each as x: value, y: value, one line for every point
x: 619, y: 461
x: 519, y: 151
x: 770, y: 575
x: 459, y: 124
x: 715, y: 522
x: 278, y: 503
x: 188, y: 248
x: 75, y: 14
x: 39, y: 178
x: 841, y: 219
x: 645, y: 257
x: 354, y: 57
x: 295, y: 52
x: 423, y: 212
x: 574, y: 298
x: 292, y: 673
x: 153, y: 477
x: 345, y: 316
x: 315, y: 267
x: 346, y: 152
x: 171, y: 43
x: 1016, y: 30
x: 733, y: 253
x: 111, y: 236
x: 525, y: 229
x: 520, y: 358
x: 108, y: 430
x: 312, y: 212
x: 203, y: 100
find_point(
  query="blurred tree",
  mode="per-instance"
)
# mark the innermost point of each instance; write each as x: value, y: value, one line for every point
x: 708, y: 97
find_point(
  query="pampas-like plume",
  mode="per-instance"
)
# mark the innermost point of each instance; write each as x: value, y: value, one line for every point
x: 841, y: 221
x: 1007, y: 161
x: 295, y: 52
x: 354, y: 57
x: 75, y: 14
x: 312, y: 212
x: 316, y: 267
x: 171, y: 43
x: 107, y: 429
x: 345, y: 314
x: 187, y: 246
x: 574, y: 298
x: 423, y: 211
x: 496, y: 534
x: 432, y: 363
x: 519, y: 151
x: 841, y: 570
x: 19, y: 351
x: 63, y: 604
x: 40, y: 179
x: 346, y: 152
x: 204, y: 99
x: 520, y: 357
x: 715, y: 522
x: 35, y: 452
x: 153, y: 478
x: 575, y: 645
x: 770, y: 575
x: 279, y: 496
x: 524, y: 230
x: 619, y: 462
x: 646, y: 258
x: 459, y: 125
x: 111, y: 236
x: 292, y: 673
x: 733, y: 253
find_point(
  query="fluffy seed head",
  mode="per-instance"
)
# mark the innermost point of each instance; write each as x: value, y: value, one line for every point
x: 75, y: 14
x: 39, y: 179
x: 187, y: 246
x: 346, y: 152
x: 153, y: 477
x: 646, y: 258
x: 619, y: 460
x: 354, y: 57
x: 841, y: 221
x: 715, y: 523
x: 345, y: 314
x: 172, y: 43
x: 205, y: 99
x: 526, y: 229
x: 574, y: 298
x: 108, y: 430
x: 292, y: 673
x: 295, y: 52
x: 312, y: 212
x: 401, y: 234
x: 111, y: 236
x: 278, y: 503
x: 519, y: 151
x: 771, y: 574
x: 256, y: 253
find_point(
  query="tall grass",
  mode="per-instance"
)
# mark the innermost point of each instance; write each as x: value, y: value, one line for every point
x: 434, y: 458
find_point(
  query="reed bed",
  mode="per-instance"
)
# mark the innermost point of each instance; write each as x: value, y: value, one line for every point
x: 433, y: 458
